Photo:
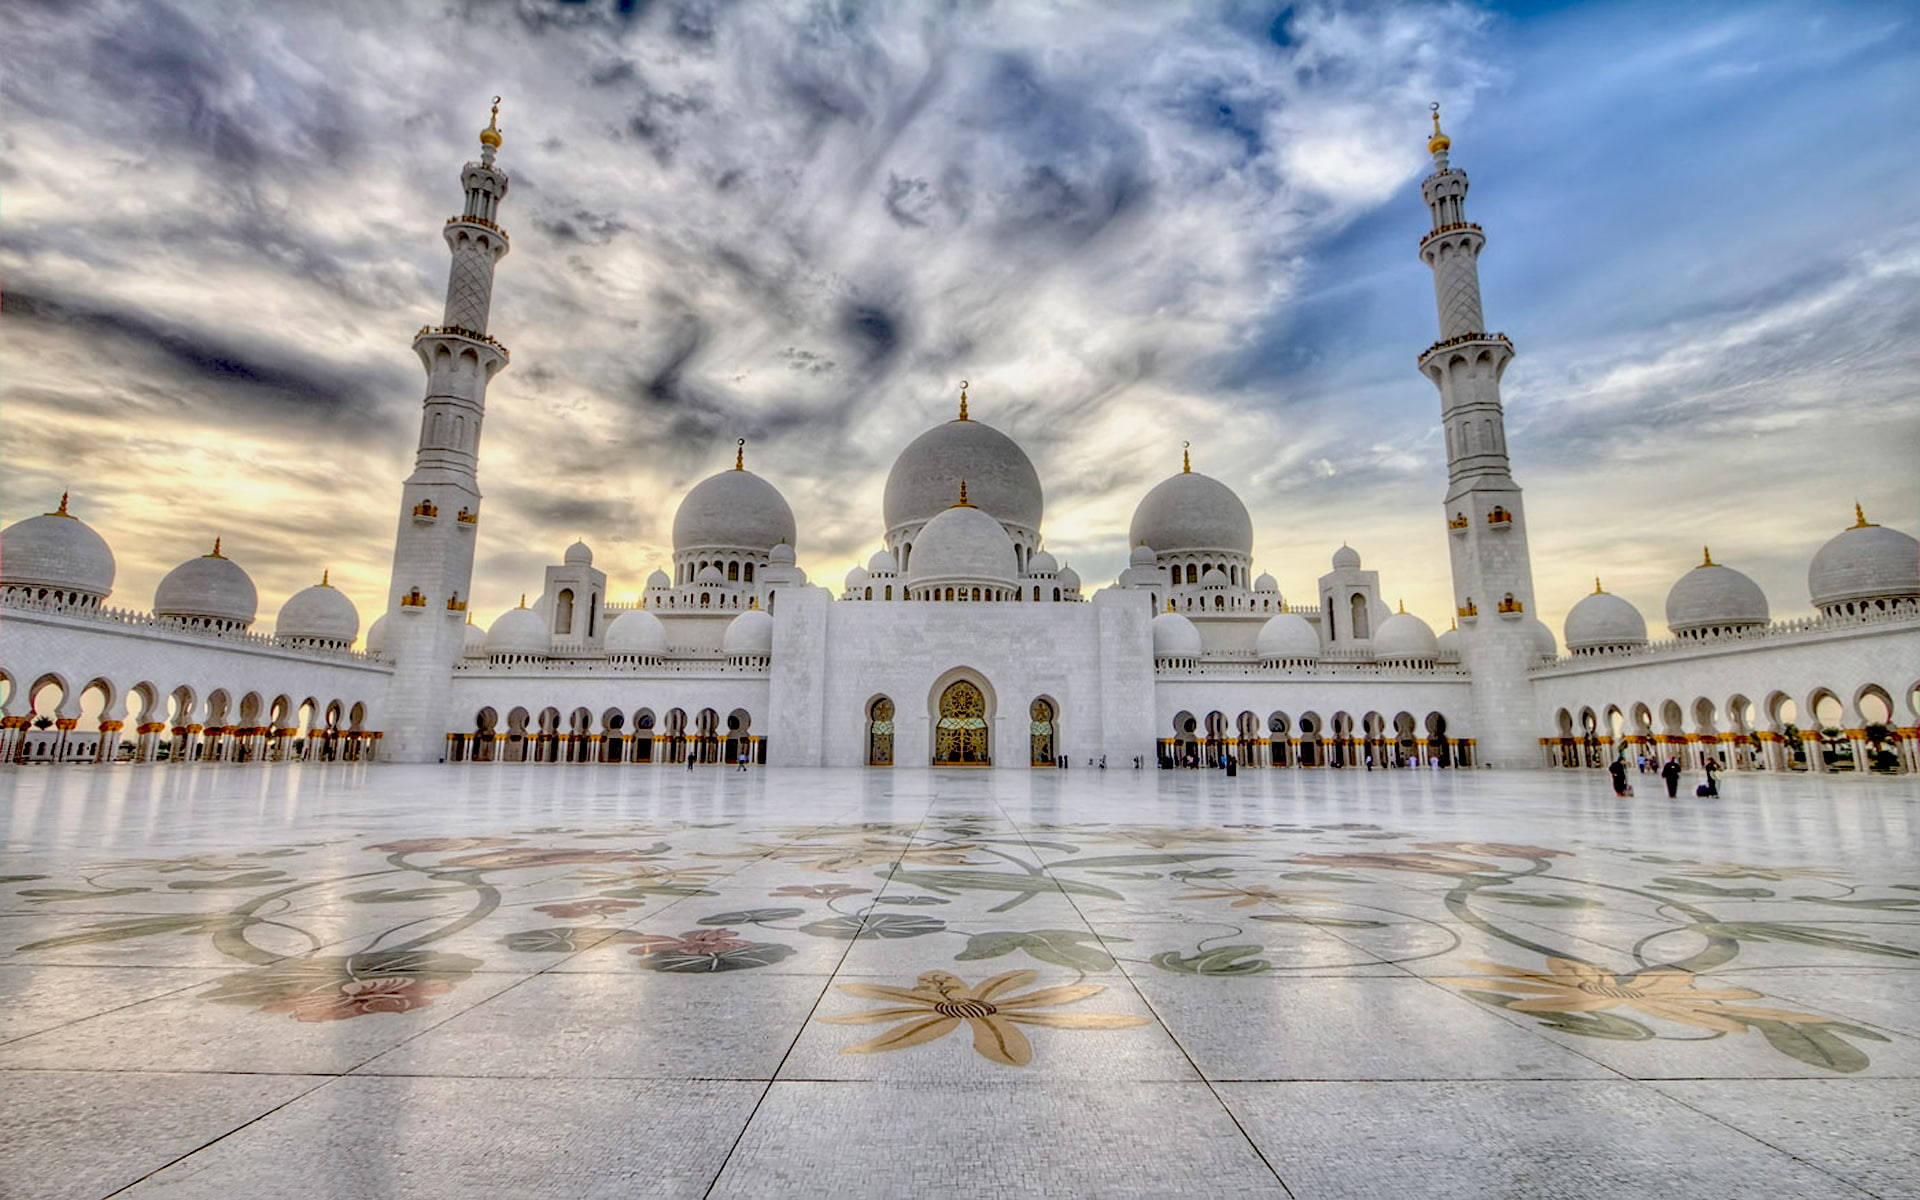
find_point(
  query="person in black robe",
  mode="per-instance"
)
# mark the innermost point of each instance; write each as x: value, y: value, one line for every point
x: 1671, y: 773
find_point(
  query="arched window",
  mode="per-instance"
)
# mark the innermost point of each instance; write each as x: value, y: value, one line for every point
x: 593, y: 610
x: 889, y: 594
x: 563, y: 611
x: 960, y: 738
x: 880, y: 733
x: 746, y: 573
x: 733, y: 572
x: 1357, y: 605
x: 869, y: 594
x: 1040, y: 733
x: 1056, y: 593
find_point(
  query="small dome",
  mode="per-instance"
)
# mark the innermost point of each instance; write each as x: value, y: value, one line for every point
x: 518, y: 631
x: 1191, y: 512
x: 1213, y: 577
x: 1068, y: 579
x: 963, y: 544
x: 1346, y: 558
x: 1142, y: 556
x: 857, y: 578
x: 1287, y: 636
x: 636, y: 631
x: 1266, y: 584
x: 473, y: 639
x: 781, y: 555
x: 1449, y: 643
x: 1042, y: 564
x: 321, y: 613
x: 579, y: 555
x: 1544, y: 645
x: 377, y: 635
x: 1000, y: 478
x: 709, y: 574
x: 1175, y: 637
x: 749, y: 634
x: 734, y: 509
x: 57, y: 551
x: 212, y: 587
x: 882, y: 563
x: 1865, y: 562
x: 1714, y: 597
x: 1604, y: 619
x: 659, y: 579
x: 1404, y: 637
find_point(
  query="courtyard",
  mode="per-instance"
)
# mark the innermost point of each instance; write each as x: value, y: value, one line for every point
x: 548, y: 980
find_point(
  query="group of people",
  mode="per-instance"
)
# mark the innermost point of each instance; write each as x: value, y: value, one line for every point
x: 1669, y: 772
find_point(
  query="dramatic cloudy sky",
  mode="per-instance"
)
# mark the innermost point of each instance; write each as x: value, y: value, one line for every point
x: 1128, y: 224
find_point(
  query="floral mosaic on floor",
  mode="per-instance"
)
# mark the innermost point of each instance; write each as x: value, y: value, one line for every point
x: 1220, y: 894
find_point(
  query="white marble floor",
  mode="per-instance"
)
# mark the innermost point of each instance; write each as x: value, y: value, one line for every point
x: 524, y: 981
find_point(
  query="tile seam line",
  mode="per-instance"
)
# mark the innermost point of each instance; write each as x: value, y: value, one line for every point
x: 1842, y: 1180
x: 1158, y: 1020
x: 826, y: 985
x: 325, y: 1082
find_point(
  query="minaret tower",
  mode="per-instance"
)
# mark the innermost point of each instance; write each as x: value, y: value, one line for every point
x: 440, y: 501
x: 1486, y: 522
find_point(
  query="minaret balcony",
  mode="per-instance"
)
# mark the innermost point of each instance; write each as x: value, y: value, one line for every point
x: 483, y: 223
x: 1499, y: 518
x: 414, y: 601
x: 1465, y: 339
x: 456, y: 331
x: 467, y: 518
x: 1511, y: 609
x: 1454, y: 227
x: 425, y: 513
x: 455, y: 605
x: 1458, y: 524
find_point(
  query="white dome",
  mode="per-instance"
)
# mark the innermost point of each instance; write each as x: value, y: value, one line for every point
x: 1142, y: 556
x: 1712, y: 596
x: 735, y: 509
x: 1287, y: 636
x: 882, y: 563
x: 781, y: 555
x: 1449, y: 643
x: 1346, y: 558
x: 211, y: 586
x: 1175, y: 637
x: 579, y: 555
x: 377, y: 635
x: 1042, y: 564
x: 1604, y: 619
x: 927, y: 475
x: 1068, y: 579
x: 518, y: 631
x: 1402, y: 637
x: 1192, y: 512
x: 57, y: 551
x: 709, y: 574
x: 962, y: 544
x: 1544, y: 645
x: 750, y: 633
x: 321, y: 613
x: 636, y: 631
x: 857, y: 578
x: 659, y: 579
x: 1213, y: 577
x: 1266, y: 583
x: 1865, y: 562
x: 473, y: 641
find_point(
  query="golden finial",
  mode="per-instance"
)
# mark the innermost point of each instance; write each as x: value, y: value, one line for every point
x: 1439, y: 141
x: 216, y: 550
x: 1403, y: 604
x: 1597, y: 589
x: 325, y: 577
x: 523, y: 599
x: 739, y: 454
x: 963, y: 502
x: 62, y: 510
x: 490, y: 136
x: 1186, y: 458
x: 963, y: 400
x: 1706, y: 557
x: 1453, y: 625
x: 1859, y: 515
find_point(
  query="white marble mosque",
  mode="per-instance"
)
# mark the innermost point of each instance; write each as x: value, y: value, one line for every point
x: 963, y: 641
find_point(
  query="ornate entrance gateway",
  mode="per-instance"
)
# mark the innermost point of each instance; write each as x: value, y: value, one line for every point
x: 960, y: 738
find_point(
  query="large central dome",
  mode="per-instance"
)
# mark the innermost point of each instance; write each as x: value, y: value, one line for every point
x: 1000, y: 480
x: 734, y: 510
x: 1189, y: 513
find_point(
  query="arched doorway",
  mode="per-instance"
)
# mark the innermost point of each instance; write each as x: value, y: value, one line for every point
x: 880, y: 733
x: 960, y: 734
x: 1043, y: 753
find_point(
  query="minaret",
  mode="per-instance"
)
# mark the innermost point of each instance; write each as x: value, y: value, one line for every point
x: 440, y: 501
x: 1486, y: 522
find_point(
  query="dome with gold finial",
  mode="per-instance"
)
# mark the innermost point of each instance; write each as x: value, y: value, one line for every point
x: 210, y: 590
x: 490, y: 136
x: 1864, y: 565
x: 962, y: 547
x: 321, y: 615
x: 1190, y: 513
x: 733, y: 510
x: 1603, y: 621
x: 1439, y: 141
x: 1713, y: 599
x: 925, y: 476
x: 56, y: 556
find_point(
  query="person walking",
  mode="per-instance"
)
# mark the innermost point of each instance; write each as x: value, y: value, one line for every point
x: 1618, y: 769
x: 743, y: 758
x: 1713, y: 776
x: 1671, y: 773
